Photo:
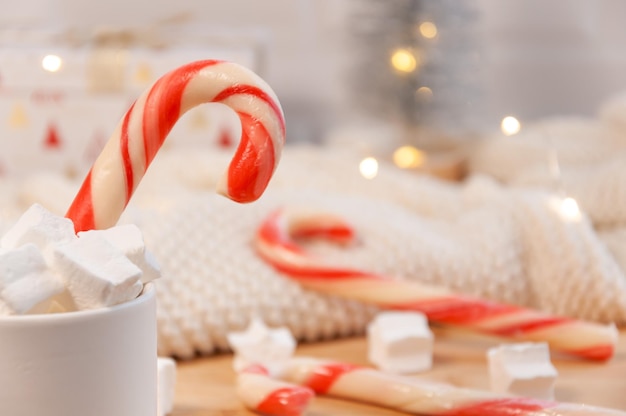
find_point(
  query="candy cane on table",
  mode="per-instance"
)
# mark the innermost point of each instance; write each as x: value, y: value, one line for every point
x: 276, y: 244
x: 420, y: 396
x: 117, y: 171
x: 268, y: 396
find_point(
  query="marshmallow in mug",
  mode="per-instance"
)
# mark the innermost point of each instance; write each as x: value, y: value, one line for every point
x: 45, y: 267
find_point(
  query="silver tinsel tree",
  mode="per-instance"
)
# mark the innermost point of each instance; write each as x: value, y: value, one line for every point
x: 417, y: 63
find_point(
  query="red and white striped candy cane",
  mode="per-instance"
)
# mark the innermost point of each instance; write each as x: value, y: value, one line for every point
x: 119, y: 168
x: 268, y: 396
x: 420, y: 396
x: 275, y: 243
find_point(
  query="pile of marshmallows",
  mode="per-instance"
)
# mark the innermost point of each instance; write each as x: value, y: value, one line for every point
x: 401, y: 342
x: 45, y: 267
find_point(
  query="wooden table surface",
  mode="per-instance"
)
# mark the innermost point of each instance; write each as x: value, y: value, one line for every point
x: 205, y: 386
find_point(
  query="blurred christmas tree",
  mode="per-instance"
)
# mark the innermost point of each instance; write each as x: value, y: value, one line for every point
x: 416, y: 64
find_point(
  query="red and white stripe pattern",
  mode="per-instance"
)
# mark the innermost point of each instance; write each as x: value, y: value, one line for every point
x: 268, y: 396
x: 420, y: 396
x: 119, y: 168
x: 275, y: 243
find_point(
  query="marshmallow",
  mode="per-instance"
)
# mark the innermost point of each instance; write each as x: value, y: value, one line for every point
x: 129, y: 239
x: 62, y: 302
x: 166, y: 381
x: 400, y: 342
x: 96, y: 273
x: 40, y: 227
x: 258, y: 344
x: 26, y: 285
x: 19, y: 262
x: 522, y: 369
x: 32, y: 293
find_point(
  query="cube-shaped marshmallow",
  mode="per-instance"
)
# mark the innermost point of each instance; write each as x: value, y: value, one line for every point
x: 400, y: 342
x: 41, y: 227
x: 33, y: 293
x: 166, y: 383
x: 129, y: 240
x: 96, y: 273
x: 26, y: 284
x: 18, y: 262
x: 522, y: 369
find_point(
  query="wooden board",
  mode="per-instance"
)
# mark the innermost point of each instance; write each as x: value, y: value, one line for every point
x: 205, y: 386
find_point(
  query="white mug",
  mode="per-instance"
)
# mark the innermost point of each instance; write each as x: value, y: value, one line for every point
x: 101, y: 362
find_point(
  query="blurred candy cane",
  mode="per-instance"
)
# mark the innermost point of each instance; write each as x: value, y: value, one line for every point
x: 268, y: 396
x: 420, y: 396
x: 119, y: 168
x: 275, y: 243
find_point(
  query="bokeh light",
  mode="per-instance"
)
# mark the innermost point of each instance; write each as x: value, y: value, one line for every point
x: 510, y: 125
x: 51, y: 63
x: 424, y: 93
x: 403, y: 60
x: 407, y: 157
x: 369, y: 167
x: 570, y: 210
x: 428, y: 30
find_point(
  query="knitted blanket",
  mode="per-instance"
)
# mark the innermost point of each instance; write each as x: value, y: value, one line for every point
x: 502, y: 234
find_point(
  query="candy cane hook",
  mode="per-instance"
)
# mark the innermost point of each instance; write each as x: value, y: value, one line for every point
x: 119, y: 168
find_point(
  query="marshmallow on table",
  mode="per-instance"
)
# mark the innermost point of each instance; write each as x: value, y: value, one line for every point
x: 26, y: 284
x: 39, y: 226
x: 522, y: 369
x: 129, y: 239
x: 270, y: 347
x: 166, y: 382
x: 96, y: 273
x: 400, y: 342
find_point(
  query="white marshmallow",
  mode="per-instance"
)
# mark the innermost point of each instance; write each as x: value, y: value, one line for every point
x: 129, y: 239
x: 40, y: 227
x: 26, y: 285
x: 34, y: 291
x: 96, y: 273
x: 400, y: 342
x: 522, y: 369
x: 258, y: 344
x: 62, y: 302
x: 19, y: 262
x: 166, y: 383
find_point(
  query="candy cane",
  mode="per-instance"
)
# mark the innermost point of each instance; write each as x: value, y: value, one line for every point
x: 117, y: 171
x: 268, y: 396
x: 420, y: 396
x: 275, y: 243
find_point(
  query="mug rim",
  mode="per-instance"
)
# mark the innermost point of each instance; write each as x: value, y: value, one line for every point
x: 146, y: 294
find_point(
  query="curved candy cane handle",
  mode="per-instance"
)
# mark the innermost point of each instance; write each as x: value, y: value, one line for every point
x: 119, y: 168
x: 275, y: 243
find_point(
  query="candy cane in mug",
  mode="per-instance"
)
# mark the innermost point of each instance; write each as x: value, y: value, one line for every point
x: 276, y: 244
x: 119, y: 168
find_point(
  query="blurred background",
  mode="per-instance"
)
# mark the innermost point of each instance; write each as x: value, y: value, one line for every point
x: 370, y: 73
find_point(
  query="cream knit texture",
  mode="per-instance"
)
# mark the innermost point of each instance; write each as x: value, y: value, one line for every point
x: 501, y: 234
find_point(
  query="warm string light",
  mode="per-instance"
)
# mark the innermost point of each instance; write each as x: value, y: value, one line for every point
x: 51, y: 63
x: 428, y: 30
x: 369, y: 167
x: 510, y: 126
x: 404, y: 60
x: 409, y: 157
x: 424, y: 93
